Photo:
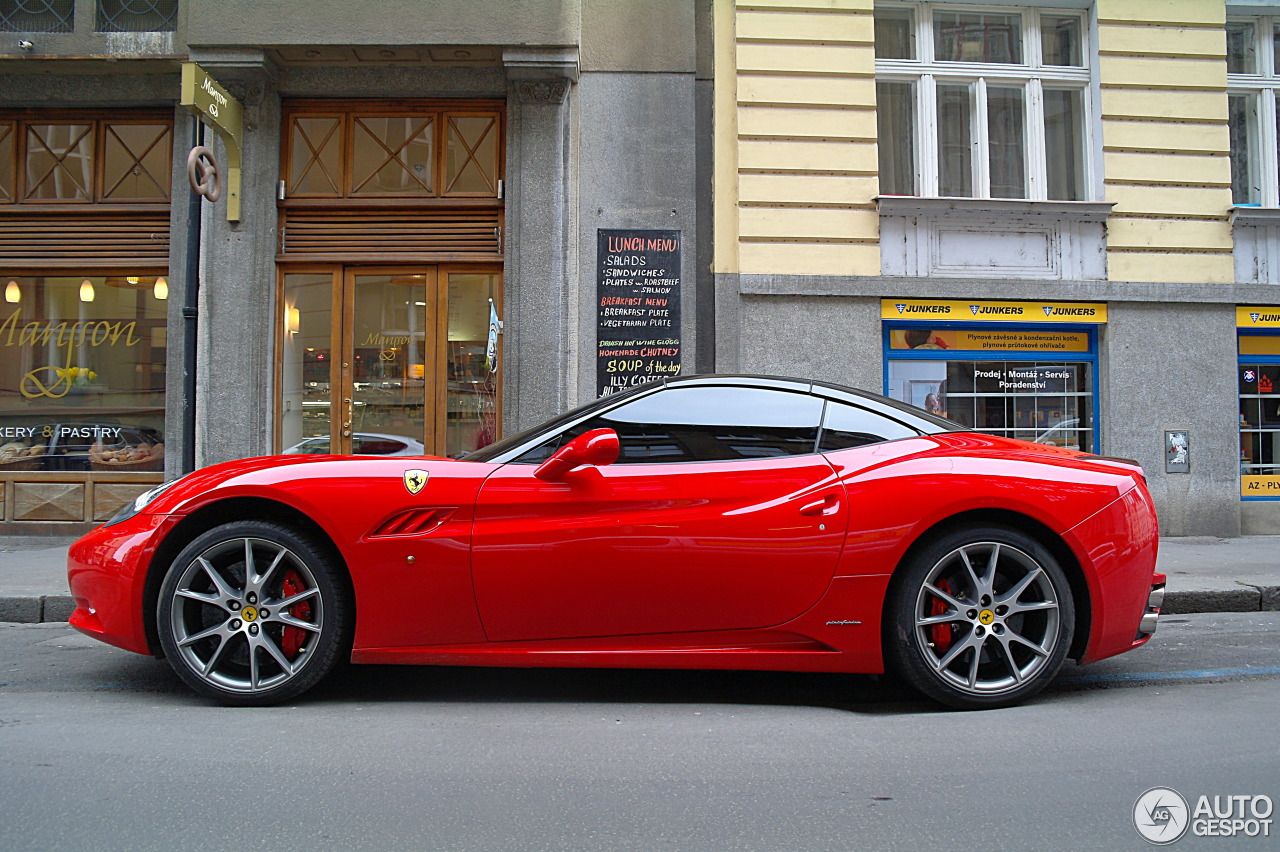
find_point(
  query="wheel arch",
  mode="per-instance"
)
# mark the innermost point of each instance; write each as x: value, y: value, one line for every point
x: 1029, y: 526
x: 215, y: 514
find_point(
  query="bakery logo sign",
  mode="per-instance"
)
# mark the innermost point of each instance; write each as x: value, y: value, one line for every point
x: 55, y: 382
x: 1163, y: 816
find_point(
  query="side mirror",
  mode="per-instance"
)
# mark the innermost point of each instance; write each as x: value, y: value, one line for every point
x: 597, y: 447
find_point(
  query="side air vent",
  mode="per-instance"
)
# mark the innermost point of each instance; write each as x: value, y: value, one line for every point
x: 412, y: 522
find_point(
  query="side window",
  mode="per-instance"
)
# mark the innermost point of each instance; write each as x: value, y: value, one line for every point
x: 704, y: 424
x: 846, y: 426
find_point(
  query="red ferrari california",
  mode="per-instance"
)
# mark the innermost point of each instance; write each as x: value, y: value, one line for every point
x: 708, y: 522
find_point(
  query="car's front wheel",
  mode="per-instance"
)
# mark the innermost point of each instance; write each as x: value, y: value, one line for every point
x: 981, y: 617
x: 253, y: 613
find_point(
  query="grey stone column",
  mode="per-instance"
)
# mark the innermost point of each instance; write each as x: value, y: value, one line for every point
x: 235, y: 370
x: 538, y: 296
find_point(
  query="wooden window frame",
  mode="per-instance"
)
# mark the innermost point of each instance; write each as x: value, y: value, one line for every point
x: 99, y: 120
x: 348, y: 111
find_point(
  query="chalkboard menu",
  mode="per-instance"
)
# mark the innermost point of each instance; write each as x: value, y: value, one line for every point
x: 637, y: 308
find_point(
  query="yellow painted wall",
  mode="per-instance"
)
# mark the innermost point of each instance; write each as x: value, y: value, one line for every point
x: 796, y: 165
x: 1163, y: 76
x: 795, y: 177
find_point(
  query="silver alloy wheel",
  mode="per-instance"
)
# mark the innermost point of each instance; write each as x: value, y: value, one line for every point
x: 987, y: 618
x: 246, y: 615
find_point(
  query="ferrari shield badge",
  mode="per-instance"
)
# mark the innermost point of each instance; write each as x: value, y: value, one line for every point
x: 415, y: 480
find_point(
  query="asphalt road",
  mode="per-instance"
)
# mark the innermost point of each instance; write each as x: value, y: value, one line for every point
x: 101, y: 749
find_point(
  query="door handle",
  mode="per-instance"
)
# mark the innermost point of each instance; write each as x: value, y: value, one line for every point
x: 828, y: 505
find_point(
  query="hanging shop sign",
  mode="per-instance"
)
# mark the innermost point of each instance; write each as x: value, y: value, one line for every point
x: 971, y: 310
x: 637, y: 308
x: 1258, y: 316
x: 989, y: 340
x: 208, y: 100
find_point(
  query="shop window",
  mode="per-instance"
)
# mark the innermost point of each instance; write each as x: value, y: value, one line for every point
x: 424, y: 152
x: 1259, y: 389
x: 1013, y: 389
x: 1253, y: 77
x: 82, y: 379
x: 38, y: 16
x: 137, y: 16
x: 977, y: 104
x: 85, y: 160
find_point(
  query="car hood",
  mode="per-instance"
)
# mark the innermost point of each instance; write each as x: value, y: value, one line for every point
x: 262, y: 475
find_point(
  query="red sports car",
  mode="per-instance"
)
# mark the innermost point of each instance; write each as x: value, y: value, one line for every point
x: 708, y: 522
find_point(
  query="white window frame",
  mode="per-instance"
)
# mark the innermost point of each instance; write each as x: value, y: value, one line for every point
x: 1263, y: 86
x: 925, y: 72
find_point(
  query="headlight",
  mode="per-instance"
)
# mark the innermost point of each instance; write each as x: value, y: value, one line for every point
x: 137, y: 504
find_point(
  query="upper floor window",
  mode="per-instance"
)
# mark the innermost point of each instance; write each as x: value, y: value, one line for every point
x: 982, y: 103
x: 38, y: 16
x: 1253, y: 77
x: 137, y: 16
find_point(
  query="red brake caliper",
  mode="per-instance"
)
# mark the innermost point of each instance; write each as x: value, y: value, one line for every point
x: 292, y: 638
x: 941, y: 633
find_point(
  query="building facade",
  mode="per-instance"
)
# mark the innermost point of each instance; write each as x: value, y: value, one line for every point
x: 1054, y: 221
x: 411, y: 175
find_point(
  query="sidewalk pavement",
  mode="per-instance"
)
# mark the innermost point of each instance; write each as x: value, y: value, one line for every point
x: 1205, y: 575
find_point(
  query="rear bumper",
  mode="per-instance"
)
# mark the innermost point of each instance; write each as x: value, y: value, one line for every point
x: 1155, y: 603
x: 1117, y: 549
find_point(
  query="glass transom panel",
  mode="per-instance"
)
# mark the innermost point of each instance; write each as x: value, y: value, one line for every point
x: 60, y: 162
x: 472, y: 156
x: 393, y: 155
x: 136, y: 165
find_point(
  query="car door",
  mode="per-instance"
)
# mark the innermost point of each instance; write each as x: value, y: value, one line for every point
x: 717, y: 515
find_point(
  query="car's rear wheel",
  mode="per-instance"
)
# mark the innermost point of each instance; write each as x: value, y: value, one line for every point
x: 981, y: 617
x: 253, y: 613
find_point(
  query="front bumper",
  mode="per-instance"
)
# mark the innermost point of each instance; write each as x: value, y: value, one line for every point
x: 107, y: 573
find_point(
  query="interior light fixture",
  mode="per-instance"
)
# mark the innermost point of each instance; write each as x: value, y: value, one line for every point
x: 12, y: 292
x: 292, y: 320
x: 86, y: 291
x: 132, y: 279
x: 161, y: 290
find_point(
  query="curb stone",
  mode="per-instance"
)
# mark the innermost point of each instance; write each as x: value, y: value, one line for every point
x: 38, y: 609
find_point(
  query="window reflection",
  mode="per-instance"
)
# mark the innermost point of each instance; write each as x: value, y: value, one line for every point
x: 82, y: 382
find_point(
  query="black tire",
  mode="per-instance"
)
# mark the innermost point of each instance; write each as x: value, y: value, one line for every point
x: 959, y: 629
x: 254, y: 613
